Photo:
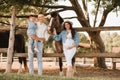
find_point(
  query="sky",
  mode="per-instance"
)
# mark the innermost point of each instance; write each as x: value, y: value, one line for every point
x: 113, y: 19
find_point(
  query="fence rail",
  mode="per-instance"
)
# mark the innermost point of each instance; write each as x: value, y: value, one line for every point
x: 80, y: 55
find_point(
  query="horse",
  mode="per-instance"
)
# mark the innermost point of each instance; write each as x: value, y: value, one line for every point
x: 19, y: 46
x: 56, y: 22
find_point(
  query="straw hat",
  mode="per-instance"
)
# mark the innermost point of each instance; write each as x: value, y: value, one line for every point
x: 67, y: 22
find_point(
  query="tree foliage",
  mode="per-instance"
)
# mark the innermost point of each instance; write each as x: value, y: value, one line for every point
x: 111, y: 40
x: 25, y: 7
x: 83, y: 39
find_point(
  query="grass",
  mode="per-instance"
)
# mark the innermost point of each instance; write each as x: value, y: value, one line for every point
x: 14, y: 76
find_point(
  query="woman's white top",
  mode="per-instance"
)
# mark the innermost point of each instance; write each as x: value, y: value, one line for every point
x: 69, y: 41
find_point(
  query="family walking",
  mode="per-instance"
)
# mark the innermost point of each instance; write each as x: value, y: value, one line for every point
x: 38, y: 32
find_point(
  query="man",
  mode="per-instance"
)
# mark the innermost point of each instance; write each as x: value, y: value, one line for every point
x: 41, y: 35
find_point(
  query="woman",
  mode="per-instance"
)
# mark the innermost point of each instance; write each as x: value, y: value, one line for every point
x: 70, y: 40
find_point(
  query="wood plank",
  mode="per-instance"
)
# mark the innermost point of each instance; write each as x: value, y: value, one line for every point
x: 90, y: 55
x: 102, y: 28
x: 5, y: 28
x: 103, y: 55
x: 20, y: 55
x: 3, y: 50
x: 105, y: 28
x: 84, y: 45
x: 80, y: 55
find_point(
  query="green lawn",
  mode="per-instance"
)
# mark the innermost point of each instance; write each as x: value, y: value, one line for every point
x: 14, y: 76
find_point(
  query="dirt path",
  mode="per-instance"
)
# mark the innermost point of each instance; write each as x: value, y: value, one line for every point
x: 52, y: 68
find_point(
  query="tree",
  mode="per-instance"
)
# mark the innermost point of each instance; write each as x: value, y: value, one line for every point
x: 11, y: 42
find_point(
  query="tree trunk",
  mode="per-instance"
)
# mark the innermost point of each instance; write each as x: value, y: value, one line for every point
x: 100, y: 47
x: 11, y: 42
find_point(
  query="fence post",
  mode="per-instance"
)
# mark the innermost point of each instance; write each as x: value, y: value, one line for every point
x: 113, y: 63
x: 1, y: 57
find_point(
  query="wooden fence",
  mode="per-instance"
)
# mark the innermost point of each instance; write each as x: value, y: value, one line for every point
x: 78, y: 55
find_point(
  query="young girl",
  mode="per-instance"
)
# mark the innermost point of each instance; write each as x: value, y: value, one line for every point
x: 32, y: 31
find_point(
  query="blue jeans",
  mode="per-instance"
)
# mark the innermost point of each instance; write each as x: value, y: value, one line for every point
x: 39, y: 58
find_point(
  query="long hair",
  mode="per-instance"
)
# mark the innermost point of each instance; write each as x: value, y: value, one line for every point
x: 71, y: 28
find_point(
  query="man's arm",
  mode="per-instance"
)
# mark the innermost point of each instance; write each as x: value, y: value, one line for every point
x: 36, y: 38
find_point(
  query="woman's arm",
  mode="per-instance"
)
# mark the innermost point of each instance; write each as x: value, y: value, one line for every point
x: 58, y: 37
x: 76, y: 39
